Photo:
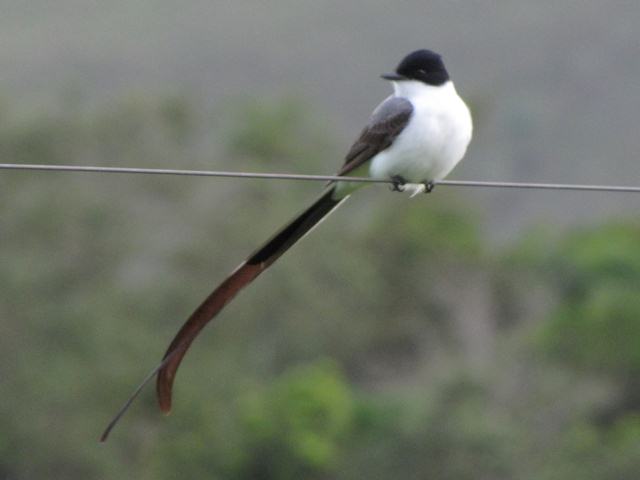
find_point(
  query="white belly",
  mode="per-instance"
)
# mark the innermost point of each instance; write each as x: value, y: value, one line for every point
x: 433, y: 142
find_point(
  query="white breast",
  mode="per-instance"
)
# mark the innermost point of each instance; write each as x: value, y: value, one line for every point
x: 435, y: 139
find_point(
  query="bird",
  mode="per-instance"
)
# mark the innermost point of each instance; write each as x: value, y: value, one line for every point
x: 413, y: 138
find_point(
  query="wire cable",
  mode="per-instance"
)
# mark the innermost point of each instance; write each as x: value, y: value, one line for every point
x: 321, y: 178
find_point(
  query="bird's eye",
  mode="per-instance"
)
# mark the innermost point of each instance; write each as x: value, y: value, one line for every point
x: 422, y: 71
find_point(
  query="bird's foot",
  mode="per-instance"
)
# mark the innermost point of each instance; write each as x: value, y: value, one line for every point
x: 429, y: 185
x: 398, y: 183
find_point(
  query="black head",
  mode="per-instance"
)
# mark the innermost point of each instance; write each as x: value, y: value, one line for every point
x: 422, y: 65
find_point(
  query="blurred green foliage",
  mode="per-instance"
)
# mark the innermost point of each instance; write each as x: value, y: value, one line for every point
x: 298, y: 426
x: 404, y: 347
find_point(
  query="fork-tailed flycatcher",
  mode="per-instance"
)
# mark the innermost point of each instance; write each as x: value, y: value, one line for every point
x: 413, y: 138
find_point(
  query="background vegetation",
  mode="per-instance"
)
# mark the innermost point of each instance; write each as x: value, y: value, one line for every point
x: 405, y: 346
x: 469, y: 334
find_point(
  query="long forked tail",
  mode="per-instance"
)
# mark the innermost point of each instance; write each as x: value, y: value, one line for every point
x: 242, y: 276
x: 257, y: 263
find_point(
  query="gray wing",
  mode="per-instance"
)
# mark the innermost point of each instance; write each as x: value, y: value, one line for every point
x: 385, y: 124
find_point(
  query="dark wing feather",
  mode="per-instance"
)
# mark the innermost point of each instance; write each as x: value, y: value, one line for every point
x: 385, y: 124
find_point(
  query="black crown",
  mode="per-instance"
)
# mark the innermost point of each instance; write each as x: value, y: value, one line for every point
x: 425, y: 66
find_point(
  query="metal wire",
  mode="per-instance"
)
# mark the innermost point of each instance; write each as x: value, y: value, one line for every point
x: 321, y: 178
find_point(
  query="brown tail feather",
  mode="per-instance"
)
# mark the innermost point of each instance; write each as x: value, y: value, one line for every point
x: 215, y: 302
x: 257, y: 263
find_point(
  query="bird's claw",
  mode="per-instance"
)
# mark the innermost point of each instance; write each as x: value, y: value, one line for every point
x: 398, y: 184
x: 429, y: 186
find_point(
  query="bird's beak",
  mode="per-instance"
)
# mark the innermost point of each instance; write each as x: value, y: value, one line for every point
x: 393, y: 76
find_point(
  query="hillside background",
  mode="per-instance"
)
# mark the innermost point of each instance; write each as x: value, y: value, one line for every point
x: 468, y: 334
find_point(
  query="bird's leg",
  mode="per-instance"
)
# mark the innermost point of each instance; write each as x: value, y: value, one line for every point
x: 397, y: 183
x: 429, y: 185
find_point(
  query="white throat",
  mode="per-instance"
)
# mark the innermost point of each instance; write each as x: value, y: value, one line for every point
x: 413, y: 88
